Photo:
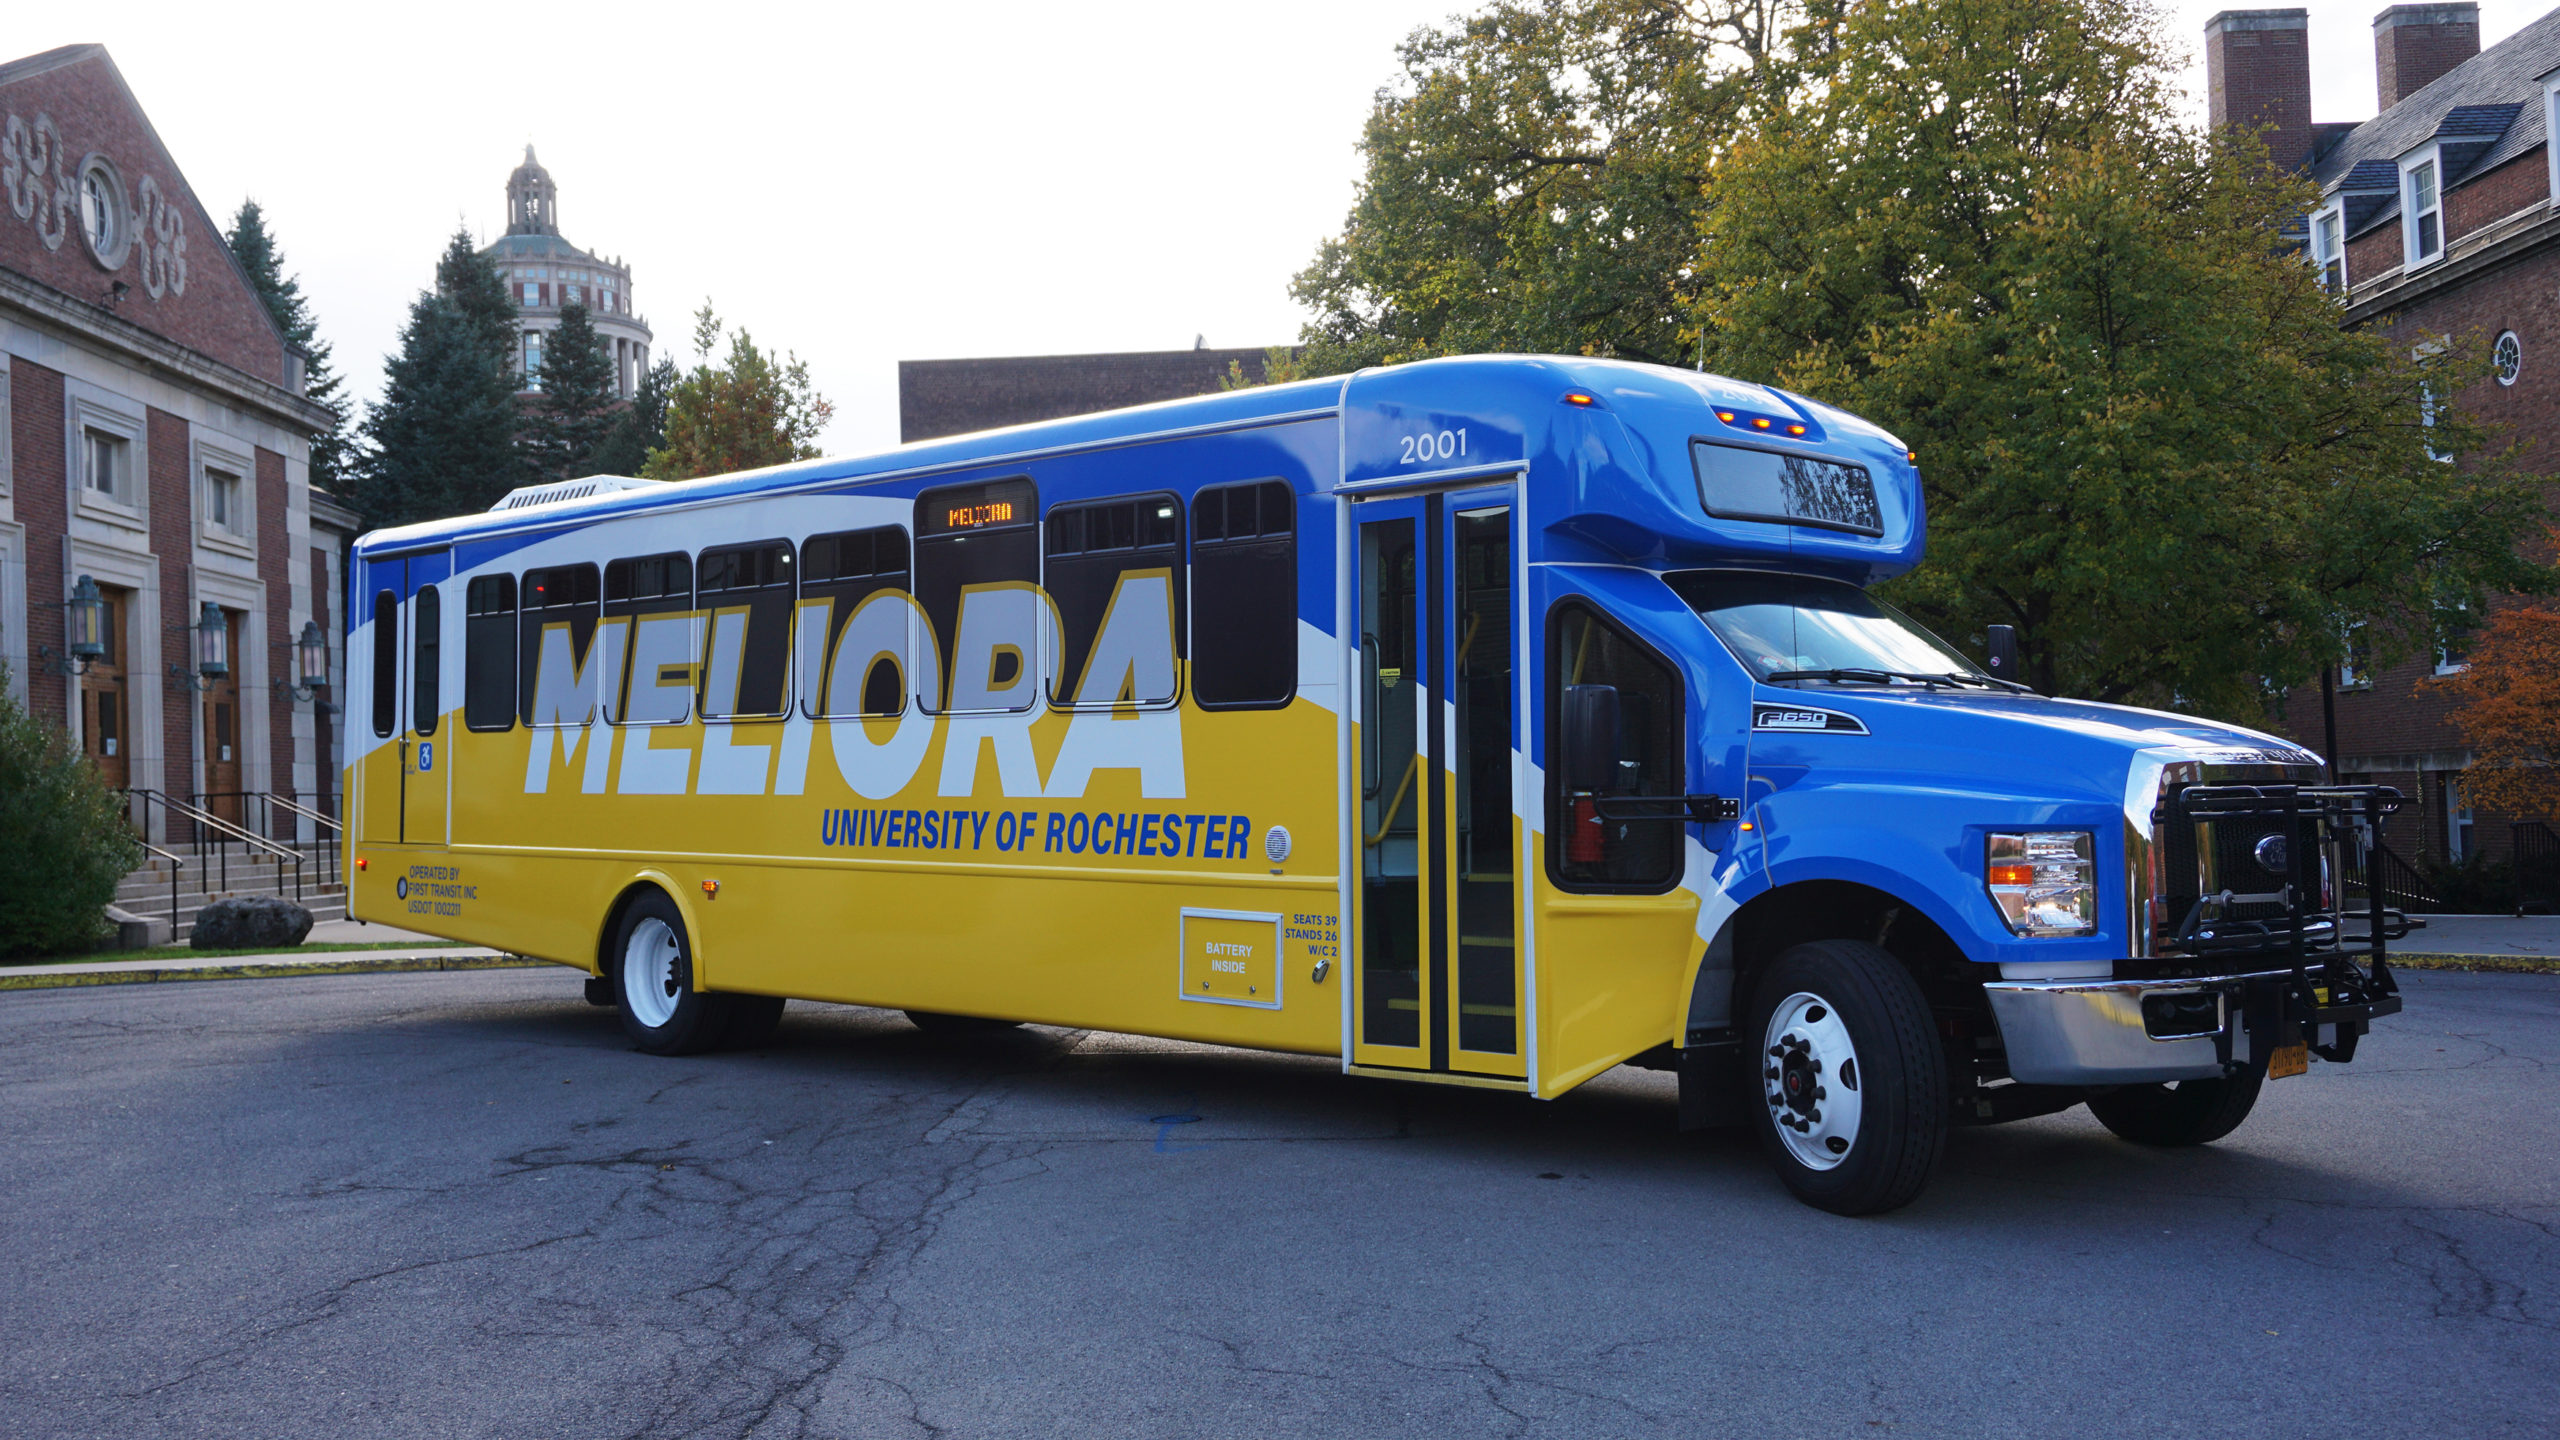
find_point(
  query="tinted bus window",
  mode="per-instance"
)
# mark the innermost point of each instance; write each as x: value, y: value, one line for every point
x: 845, y: 569
x: 556, y: 672
x: 650, y: 600
x: 1244, y: 596
x: 427, y: 620
x: 747, y: 591
x: 1114, y: 572
x: 386, y: 662
x: 489, y: 653
x: 977, y: 577
x: 1587, y: 852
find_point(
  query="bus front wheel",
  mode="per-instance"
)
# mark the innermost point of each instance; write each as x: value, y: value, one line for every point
x: 653, y: 989
x: 1852, y: 1082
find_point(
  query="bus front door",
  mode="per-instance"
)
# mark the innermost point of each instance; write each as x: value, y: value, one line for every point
x: 1437, y: 968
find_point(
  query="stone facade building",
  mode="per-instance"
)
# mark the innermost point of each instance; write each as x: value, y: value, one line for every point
x: 2438, y: 216
x: 544, y: 272
x: 154, y: 443
x: 953, y: 397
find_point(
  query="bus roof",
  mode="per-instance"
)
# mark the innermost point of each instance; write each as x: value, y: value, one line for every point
x: 1512, y: 405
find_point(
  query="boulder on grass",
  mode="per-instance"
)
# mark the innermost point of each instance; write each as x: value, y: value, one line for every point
x: 251, y: 922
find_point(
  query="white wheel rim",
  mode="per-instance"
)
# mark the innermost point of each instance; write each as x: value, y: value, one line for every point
x: 649, y: 972
x: 1811, y: 1082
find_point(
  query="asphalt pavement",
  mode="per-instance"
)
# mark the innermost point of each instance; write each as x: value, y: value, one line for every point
x: 458, y: 1204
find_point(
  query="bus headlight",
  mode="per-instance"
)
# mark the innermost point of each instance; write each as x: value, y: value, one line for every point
x: 2044, y: 881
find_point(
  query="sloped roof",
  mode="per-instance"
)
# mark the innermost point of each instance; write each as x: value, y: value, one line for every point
x: 2465, y: 103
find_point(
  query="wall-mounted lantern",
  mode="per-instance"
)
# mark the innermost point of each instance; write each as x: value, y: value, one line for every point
x: 310, y: 667
x: 213, y: 651
x: 84, y: 629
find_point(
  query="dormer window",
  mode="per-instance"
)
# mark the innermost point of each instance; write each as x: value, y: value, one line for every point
x: 2329, y: 248
x: 2422, y: 212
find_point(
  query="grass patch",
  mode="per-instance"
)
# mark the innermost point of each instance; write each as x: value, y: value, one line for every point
x: 2503, y: 964
x: 189, y: 952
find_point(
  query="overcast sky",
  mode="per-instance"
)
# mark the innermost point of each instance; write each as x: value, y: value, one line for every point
x: 858, y: 183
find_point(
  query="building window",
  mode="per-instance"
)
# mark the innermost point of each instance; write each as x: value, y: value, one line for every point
x: 2329, y: 250
x: 574, y: 292
x: 2457, y: 820
x: 533, y: 360
x: 2453, y: 639
x: 530, y: 293
x: 2509, y: 354
x: 2356, y: 671
x: 2425, y: 215
x: 104, y: 226
x: 222, y: 500
x: 107, y: 466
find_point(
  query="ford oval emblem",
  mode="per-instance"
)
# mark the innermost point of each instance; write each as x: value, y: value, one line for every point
x: 2270, y: 854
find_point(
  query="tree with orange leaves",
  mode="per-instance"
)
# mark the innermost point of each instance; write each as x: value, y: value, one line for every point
x: 2510, y: 712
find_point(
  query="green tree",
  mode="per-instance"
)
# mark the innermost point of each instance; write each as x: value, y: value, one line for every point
x: 751, y: 410
x: 2144, y: 439
x: 1536, y: 179
x: 443, y: 437
x: 258, y: 254
x: 564, y: 429
x: 63, y: 839
x: 640, y: 426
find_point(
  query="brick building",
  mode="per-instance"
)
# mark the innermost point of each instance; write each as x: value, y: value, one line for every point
x: 953, y: 397
x: 154, y: 441
x: 544, y: 272
x: 2436, y: 215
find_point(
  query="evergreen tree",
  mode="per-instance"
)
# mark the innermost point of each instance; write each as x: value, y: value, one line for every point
x: 641, y: 426
x: 259, y: 255
x: 565, y: 429
x: 443, y: 435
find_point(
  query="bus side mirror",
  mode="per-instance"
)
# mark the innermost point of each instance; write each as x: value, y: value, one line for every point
x: 1587, y: 739
x: 2000, y: 644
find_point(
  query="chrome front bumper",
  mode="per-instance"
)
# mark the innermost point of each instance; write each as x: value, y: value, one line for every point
x: 2093, y: 1032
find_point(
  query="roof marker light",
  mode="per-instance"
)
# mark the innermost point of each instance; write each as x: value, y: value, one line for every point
x: 1725, y: 415
x: 1760, y: 424
x: 1911, y: 455
x: 1577, y: 398
x: 1795, y: 429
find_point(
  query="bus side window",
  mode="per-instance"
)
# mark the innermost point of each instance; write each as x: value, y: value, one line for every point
x: 747, y: 593
x: 653, y: 597
x: 1244, y: 596
x: 386, y: 662
x: 978, y: 579
x: 555, y: 647
x: 1585, y: 852
x: 489, y: 653
x: 1113, y: 569
x: 845, y: 569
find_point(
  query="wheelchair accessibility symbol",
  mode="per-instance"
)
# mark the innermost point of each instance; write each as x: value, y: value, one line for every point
x: 426, y: 756
x: 401, y: 887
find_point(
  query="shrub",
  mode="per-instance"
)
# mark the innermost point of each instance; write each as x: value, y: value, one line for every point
x: 63, y: 839
x: 2473, y: 886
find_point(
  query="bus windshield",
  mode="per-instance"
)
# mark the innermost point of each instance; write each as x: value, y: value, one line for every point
x: 1798, y: 628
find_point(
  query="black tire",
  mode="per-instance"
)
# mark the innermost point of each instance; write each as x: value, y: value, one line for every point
x: 1896, y: 1077
x: 752, y: 1020
x: 2186, y: 1112
x: 957, y: 1027
x: 682, y: 1020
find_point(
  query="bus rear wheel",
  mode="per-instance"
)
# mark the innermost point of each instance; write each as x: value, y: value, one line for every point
x: 653, y: 988
x: 1852, y: 1082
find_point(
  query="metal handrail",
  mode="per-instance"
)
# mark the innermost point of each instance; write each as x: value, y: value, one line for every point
x: 203, y: 820
x: 327, y: 830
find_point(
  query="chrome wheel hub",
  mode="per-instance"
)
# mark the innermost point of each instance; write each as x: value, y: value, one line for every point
x: 649, y: 981
x: 1810, y: 1081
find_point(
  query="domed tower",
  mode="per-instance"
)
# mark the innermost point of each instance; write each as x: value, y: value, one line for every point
x: 545, y: 274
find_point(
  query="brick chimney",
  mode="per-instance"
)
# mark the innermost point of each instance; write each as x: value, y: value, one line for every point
x: 2415, y: 44
x: 2257, y: 68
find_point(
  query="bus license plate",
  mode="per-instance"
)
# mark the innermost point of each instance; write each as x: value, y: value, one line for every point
x: 2288, y: 1060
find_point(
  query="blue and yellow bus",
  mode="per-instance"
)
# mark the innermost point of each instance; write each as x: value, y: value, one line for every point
x: 1491, y: 721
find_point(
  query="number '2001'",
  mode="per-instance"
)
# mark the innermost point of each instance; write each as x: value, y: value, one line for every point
x: 1430, y: 445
